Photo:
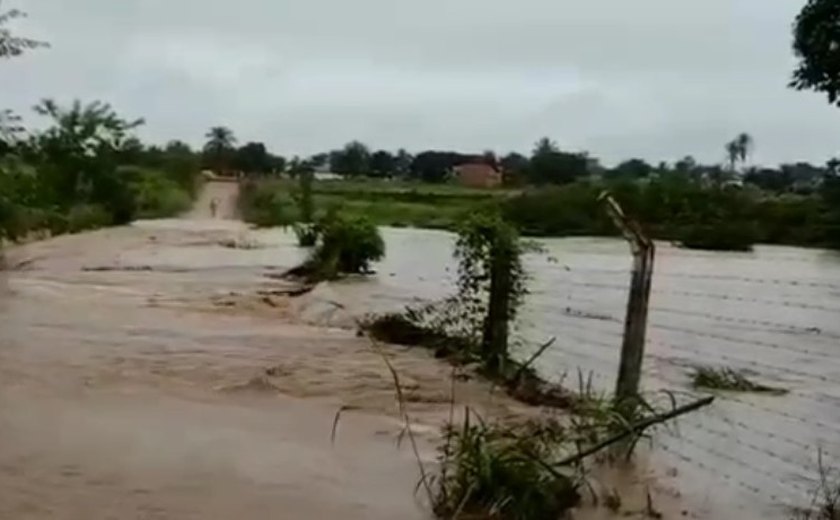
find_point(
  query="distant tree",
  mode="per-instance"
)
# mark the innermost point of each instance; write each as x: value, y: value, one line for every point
x: 745, y: 146
x: 432, y: 166
x: 631, y: 169
x: 252, y: 158
x: 816, y: 44
x: 738, y: 150
x: 769, y: 179
x: 489, y: 157
x: 181, y: 165
x: 544, y: 146
x: 178, y: 147
x: 514, y: 168
x: 219, y: 148
x: 550, y: 165
x: 11, y: 45
x: 687, y: 166
x: 10, y: 130
x: 832, y: 167
x: 296, y: 166
x: 320, y: 161
x: 353, y: 159
x: 382, y: 164
x: 132, y: 151
x: 804, y: 177
x: 732, y: 153
x: 278, y: 164
x: 402, y: 163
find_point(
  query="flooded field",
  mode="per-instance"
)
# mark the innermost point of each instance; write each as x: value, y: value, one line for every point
x: 772, y: 313
x: 135, y: 363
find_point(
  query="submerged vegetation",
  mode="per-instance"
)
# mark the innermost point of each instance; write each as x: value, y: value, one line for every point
x: 346, y: 245
x: 730, y: 380
x: 342, y: 245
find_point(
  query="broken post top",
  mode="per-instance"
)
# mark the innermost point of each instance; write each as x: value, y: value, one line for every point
x: 631, y: 229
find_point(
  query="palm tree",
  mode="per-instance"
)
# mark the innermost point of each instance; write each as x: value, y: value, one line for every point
x: 733, y: 151
x: 745, y: 144
x: 738, y: 150
x: 219, y: 146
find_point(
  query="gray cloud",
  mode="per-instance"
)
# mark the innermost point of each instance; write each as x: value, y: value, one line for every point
x: 652, y: 78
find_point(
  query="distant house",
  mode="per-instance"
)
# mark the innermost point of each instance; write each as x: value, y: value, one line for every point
x: 478, y: 175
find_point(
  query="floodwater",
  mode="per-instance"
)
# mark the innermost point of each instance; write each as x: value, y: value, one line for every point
x: 158, y: 371
x: 772, y: 313
x: 154, y: 372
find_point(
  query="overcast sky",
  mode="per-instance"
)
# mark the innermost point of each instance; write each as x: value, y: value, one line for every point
x: 657, y: 79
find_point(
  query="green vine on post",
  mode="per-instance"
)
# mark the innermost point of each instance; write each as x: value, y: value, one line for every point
x: 491, y: 283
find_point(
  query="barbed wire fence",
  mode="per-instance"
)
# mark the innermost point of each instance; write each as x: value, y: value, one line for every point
x: 780, y: 330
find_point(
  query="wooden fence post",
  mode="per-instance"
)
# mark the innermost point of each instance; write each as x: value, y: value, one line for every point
x: 635, y: 324
x: 494, y: 341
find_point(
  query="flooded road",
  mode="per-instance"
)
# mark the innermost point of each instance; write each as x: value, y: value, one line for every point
x: 156, y: 371
x: 153, y: 372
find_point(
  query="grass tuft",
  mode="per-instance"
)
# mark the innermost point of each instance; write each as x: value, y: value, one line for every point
x: 491, y: 471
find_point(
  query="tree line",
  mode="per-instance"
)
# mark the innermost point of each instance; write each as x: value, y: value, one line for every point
x: 546, y: 164
x: 89, y: 168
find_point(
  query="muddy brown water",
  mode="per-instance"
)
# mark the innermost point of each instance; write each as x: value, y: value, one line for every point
x: 153, y: 371
x: 772, y: 313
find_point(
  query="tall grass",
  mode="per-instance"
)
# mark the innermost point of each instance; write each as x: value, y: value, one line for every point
x: 501, y: 473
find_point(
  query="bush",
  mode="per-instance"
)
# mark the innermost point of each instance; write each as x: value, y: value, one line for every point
x: 719, y: 237
x: 348, y: 245
x: 82, y: 218
x: 345, y: 246
x: 263, y: 204
x: 570, y: 210
x: 156, y: 196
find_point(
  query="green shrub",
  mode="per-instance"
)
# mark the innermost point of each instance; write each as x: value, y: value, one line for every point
x: 264, y: 204
x: 156, y: 196
x: 564, y: 211
x: 82, y: 218
x: 721, y: 236
x: 348, y: 245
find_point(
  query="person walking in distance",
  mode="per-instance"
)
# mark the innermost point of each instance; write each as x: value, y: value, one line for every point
x: 214, y: 205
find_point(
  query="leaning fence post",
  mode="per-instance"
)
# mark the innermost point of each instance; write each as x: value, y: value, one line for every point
x: 635, y: 324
